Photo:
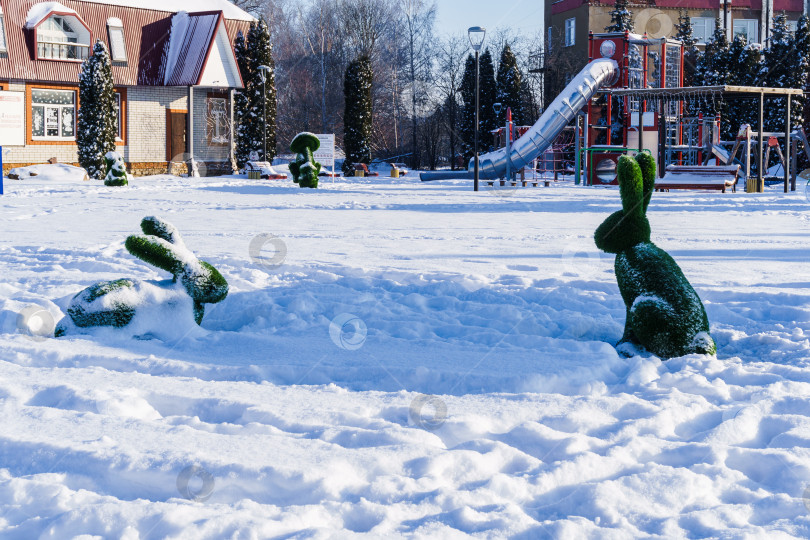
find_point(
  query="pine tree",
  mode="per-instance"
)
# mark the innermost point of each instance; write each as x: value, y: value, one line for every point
x: 691, y: 54
x: 357, y: 120
x: 621, y: 18
x: 802, y: 38
x: 241, y: 103
x: 783, y: 62
x: 96, y: 126
x: 467, y: 90
x: 713, y: 69
x: 255, y: 51
x: 745, y: 66
x: 509, y: 85
x: 489, y: 92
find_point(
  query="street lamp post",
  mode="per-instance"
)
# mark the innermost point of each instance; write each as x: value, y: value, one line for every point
x: 476, y: 35
x: 262, y: 71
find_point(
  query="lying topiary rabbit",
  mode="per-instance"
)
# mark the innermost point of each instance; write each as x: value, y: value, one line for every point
x: 115, y: 303
x: 664, y: 313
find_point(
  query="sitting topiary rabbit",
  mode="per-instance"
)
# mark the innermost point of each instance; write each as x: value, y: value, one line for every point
x: 115, y: 303
x: 664, y: 313
x: 305, y: 169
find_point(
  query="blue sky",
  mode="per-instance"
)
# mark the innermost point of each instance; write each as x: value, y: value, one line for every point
x: 453, y: 16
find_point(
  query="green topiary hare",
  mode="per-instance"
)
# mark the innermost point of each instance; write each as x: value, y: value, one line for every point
x: 305, y: 169
x: 664, y: 313
x: 115, y: 303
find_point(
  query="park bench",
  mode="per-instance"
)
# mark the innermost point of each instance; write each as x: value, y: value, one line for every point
x: 717, y: 177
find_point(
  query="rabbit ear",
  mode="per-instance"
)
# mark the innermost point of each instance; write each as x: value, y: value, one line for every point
x: 157, y: 252
x: 162, y: 229
x: 631, y: 187
x: 647, y: 164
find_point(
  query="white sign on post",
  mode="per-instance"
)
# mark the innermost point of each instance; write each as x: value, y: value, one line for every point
x: 12, y: 118
x: 325, y: 155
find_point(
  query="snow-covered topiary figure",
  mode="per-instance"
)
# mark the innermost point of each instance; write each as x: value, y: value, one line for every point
x: 664, y: 313
x: 116, y: 303
x: 116, y: 170
x: 305, y: 169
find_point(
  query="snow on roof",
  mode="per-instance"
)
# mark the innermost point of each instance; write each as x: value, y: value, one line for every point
x: 174, y: 6
x: 39, y: 12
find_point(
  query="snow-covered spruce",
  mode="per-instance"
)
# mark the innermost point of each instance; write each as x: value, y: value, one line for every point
x: 96, y: 123
x: 255, y: 106
x: 116, y: 170
x: 305, y: 169
x: 621, y: 18
x: 664, y: 313
x: 116, y: 303
x: 357, y: 118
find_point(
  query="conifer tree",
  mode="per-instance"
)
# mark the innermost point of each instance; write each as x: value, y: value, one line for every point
x: 97, y: 123
x: 240, y: 102
x: 621, y: 18
x: 713, y: 69
x: 357, y: 119
x: 745, y: 66
x: 509, y: 85
x: 802, y: 38
x: 691, y: 54
x: 256, y: 51
x: 783, y: 69
x: 467, y: 90
x: 488, y: 97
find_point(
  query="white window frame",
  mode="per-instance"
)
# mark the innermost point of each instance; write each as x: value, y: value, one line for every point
x: 706, y: 25
x: 115, y: 29
x: 570, y: 31
x: 55, y: 33
x: 219, y: 131
x: 119, y: 135
x: 746, y: 27
x: 60, y: 118
x: 3, y: 41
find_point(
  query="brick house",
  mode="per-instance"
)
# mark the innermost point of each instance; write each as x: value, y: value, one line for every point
x: 568, y: 23
x: 166, y: 61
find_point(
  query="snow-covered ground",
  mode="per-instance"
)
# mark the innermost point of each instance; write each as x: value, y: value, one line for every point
x: 401, y: 359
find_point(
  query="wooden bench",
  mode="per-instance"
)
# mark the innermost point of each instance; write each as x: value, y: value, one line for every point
x: 717, y: 177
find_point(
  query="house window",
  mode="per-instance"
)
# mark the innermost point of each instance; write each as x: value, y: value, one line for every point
x: 218, y: 121
x: 570, y: 28
x: 702, y: 29
x: 792, y: 25
x: 60, y: 39
x: 747, y: 28
x: 3, y: 46
x: 548, y: 39
x: 118, y: 46
x: 119, y: 136
x: 53, y: 114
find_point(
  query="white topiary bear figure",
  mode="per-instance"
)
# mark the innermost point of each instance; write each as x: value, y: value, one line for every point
x: 116, y: 170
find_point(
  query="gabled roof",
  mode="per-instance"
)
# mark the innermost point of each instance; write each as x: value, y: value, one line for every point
x: 175, y: 6
x: 193, y: 42
x: 146, y: 31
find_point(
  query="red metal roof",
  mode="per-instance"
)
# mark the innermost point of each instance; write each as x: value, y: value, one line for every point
x: 193, y: 50
x: 146, y: 33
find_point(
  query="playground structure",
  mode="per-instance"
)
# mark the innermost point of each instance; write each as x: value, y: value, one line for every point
x: 630, y: 98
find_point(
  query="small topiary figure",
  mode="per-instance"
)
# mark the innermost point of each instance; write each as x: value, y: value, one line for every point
x: 305, y: 169
x: 664, y: 313
x: 115, y: 303
x: 116, y: 170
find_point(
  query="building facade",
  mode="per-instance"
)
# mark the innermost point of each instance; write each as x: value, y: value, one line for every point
x: 569, y: 22
x: 174, y: 71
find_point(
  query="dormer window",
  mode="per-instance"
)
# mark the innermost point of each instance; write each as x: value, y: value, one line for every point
x: 118, y: 45
x: 60, y: 32
x: 57, y: 39
x: 3, y: 46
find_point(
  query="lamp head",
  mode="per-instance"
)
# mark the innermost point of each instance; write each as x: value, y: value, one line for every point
x: 263, y: 72
x: 476, y: 35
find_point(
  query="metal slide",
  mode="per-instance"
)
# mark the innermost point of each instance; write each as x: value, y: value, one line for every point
x: 560, y: 113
